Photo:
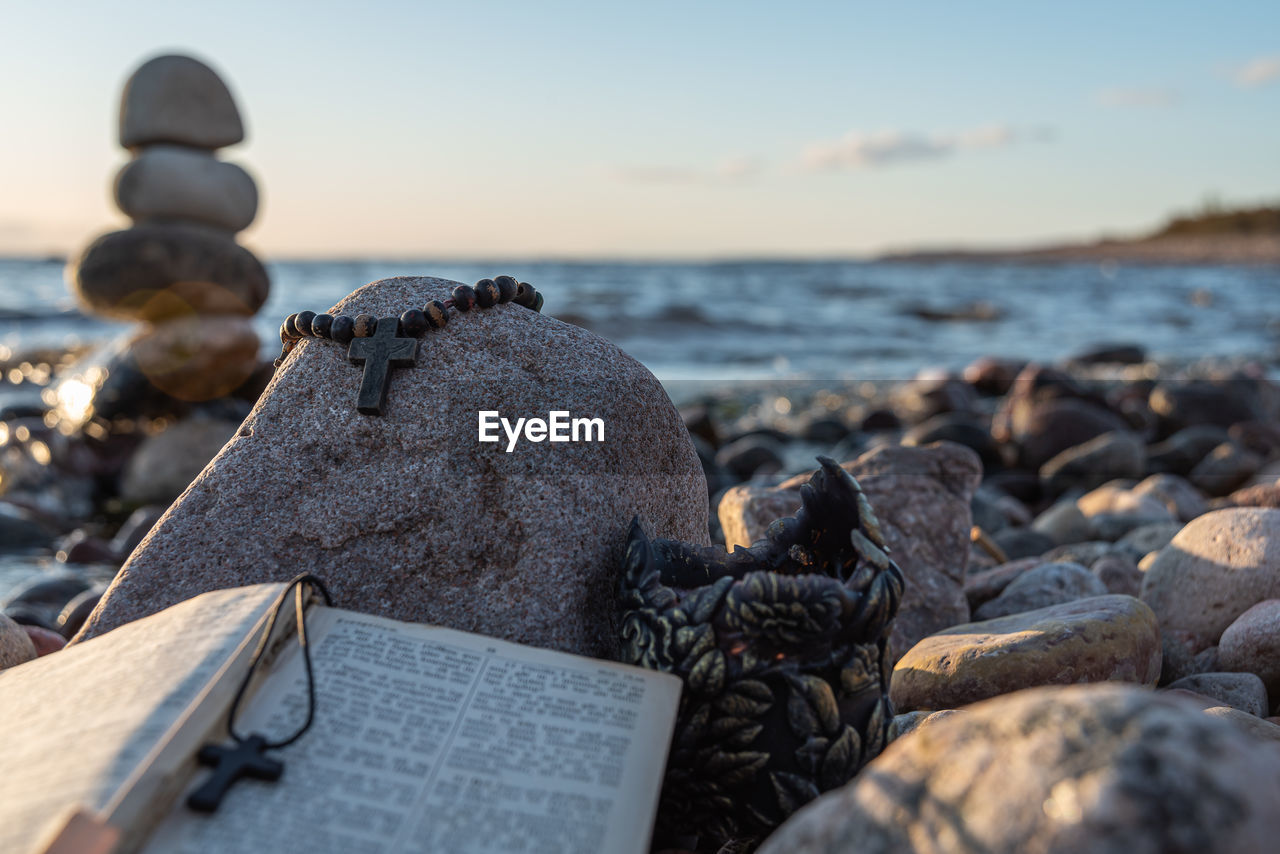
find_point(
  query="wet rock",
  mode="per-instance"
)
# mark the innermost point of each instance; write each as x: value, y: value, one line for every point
x: 1042, y: 586
x: 1179, y: 453
x: 181, y: 100
x: 1089, y: 640
x: 1176, y: 493
x: 44, y: 640
x: 1216, y: 568
x: 47, y: 591
x: 1104, y: 769
x: 74, y: 614
x: 1112, y: 455
x: 165, y: 463
x: 405, y: 515
x: 1252, y: 644
x: 1022, y: 542
x: 159, y: 271
x: 82, y: 547
x: 921, y: 496
x: 16, y: 646
x: 137, y: 526
x: 171, y: 182
x: 20, y: 531
x: 962, y: 429
x: 1243, y: 691
x: 1224, y: 469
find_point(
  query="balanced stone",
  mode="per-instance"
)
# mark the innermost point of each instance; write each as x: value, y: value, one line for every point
x: 922, y: 497
x: 407, y: 514
x: 171, y: 182
x: 157, y: 271
x: 181, y: 100
x: 1107, y: 769
x: 1088, y: 640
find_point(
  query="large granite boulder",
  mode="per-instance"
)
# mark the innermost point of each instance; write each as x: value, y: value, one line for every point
x: 1106, y: 769
x: 921, y: 497
x: 407, y: 514
x: 1217, y: 567
x: 1103, y: 638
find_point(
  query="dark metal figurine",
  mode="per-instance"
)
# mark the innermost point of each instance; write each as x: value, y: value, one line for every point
x: 782, y: 648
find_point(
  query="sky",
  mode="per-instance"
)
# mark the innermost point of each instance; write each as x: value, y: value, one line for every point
x: 662, y: 129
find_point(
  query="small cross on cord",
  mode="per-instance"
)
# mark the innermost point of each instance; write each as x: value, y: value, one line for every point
x: 244, y: 759
x: 379, y: 354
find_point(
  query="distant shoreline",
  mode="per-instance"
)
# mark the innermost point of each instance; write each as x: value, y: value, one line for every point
x: 1244, y: 249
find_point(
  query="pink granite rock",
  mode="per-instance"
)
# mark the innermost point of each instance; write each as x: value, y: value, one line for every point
x: 921, y: 496
x: 1104, y: 769
x: 407, y: 514
x: 1216, y: 568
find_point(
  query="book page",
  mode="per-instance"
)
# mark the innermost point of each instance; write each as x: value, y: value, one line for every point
x: 431, y: 740
x: 75, y: 724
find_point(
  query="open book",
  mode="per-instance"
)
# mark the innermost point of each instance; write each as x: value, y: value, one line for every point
x: 425, y: 739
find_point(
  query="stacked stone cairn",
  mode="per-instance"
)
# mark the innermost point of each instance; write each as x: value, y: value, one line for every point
x: 178, y: 269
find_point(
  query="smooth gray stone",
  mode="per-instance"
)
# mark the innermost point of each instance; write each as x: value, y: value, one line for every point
x: 172, y: 182
x: 175, y: 98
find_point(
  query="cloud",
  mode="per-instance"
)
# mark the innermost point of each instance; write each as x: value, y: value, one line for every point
x: 735, y: 169
x: 1257, y: 72
x: 862, y: 150
x: 1138, y: 98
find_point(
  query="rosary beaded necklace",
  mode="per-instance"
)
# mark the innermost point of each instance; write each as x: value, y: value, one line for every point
x: 377, y: 342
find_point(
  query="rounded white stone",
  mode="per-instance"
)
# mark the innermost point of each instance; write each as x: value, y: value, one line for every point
x: 172, y: 182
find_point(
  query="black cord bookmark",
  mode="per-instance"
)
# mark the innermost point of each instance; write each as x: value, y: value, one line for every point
x: 247, y: 756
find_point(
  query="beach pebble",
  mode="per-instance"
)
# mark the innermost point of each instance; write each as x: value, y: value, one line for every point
x: 167, y: 462
x: 1261, y: 495
x: 137, y: 526
x: 1143, y: 540
x: 1118, y: 574
x: 20, y: 531
x: 1176, y: 493
x: 1119, y: 454
x: 74, y: 613
x: 986, y: 584
x: 16, y: 645
x: 1243, y: 691
x: 1224, y: 469
x: 1251, y: 724
x: 992, y: 376
x: 44, y: 640
x: 1252, y: 644
x: 1104, y: 769
x: 1022, y: 542
x: 1063, y: 523
x: 1260, y: 437
x: 913, y: 721
x: 1044, y: 585
x: 962, y: 428
x: 1183, y: 403
x: 750, y: 455
x: 1114, y: 511
x: 1110, y: 354
x: 1179, y: 453
x: 178, y: 99
x: 171, y: 182
x: 1217, y: 567
x: 82, y: 547
x: 921, y: 497
x: 931, y: 393
x: 1087, y: 640
x: 406, y: 515
x: 157, y: 271
x: 1052, y: 426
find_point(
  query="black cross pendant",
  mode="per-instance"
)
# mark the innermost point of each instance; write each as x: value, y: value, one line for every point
x: 244, y: 759
x: 379, y: 354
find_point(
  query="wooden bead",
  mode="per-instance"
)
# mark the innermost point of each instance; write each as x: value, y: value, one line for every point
x: 302, y: 320
x: 321, y: 325
x: 285, y: 337
x: 366, y: 325
x: 487, y: 293
x: 525, y: 295
x: 464, y: 297
x: 343, y: 329
x: 437, y: 314
x: 413, y: 323
x: 291, y: 325
x: 507, y: 287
